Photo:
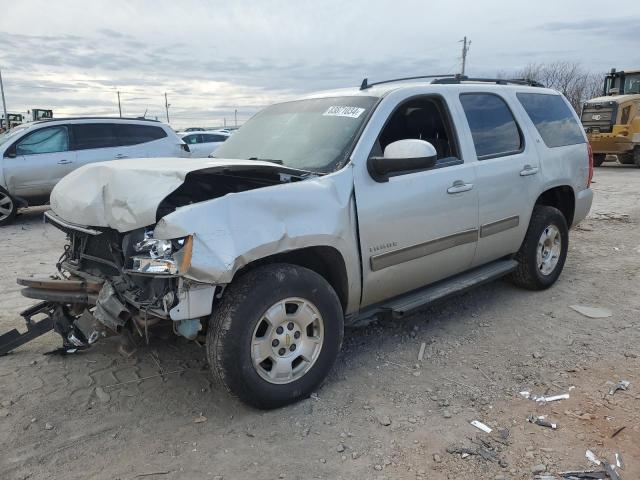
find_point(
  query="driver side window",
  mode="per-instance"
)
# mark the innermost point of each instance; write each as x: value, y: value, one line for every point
x: 422, y: 118
x: 45, y: 140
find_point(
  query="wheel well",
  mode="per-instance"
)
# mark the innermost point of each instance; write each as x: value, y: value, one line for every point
x: 325, y: 261
x: 561, y: 198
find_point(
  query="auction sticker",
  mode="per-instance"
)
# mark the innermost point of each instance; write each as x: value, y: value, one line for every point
x: 343, y: 111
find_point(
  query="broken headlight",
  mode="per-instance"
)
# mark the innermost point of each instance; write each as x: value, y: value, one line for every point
x: 156, y: 256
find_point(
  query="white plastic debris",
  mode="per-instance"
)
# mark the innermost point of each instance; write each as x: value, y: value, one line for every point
x: 592, y: 457
x: 525, y: 394
x: 591, y: 312
x: 481, y: 426
x: 421, y: 352
x: 553, y: 398
x: 619, y: 461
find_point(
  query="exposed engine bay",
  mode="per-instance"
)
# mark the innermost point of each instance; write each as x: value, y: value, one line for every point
x: 110, y: 282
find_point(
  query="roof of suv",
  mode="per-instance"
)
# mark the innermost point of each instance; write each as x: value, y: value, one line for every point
x: 67, y: 119
x: 382, y: 89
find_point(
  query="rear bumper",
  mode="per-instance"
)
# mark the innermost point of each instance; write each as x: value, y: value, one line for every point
x: 584, y: 199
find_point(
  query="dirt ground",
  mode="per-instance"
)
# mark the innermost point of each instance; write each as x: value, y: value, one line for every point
x: 381, y: 413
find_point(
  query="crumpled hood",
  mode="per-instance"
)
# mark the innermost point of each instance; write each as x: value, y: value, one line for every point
x: 125, y: 194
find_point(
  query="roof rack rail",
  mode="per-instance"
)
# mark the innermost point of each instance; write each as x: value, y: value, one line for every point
x: 365, y: 83
x: 498, y: 81
x: 58, y: 119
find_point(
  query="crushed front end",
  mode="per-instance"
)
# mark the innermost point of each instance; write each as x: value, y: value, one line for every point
x: 111, y: 283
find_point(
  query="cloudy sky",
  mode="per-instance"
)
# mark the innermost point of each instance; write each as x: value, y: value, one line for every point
x: 213, y: 57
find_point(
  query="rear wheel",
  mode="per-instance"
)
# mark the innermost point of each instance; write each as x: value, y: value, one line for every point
x: 8, y: 208
x: 598, y: 159
x: 275, y: 335
x: 626, y: 159
x: 544, y: 250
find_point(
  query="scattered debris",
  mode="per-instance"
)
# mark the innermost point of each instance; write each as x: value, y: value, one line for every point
x: 384, y: 420
x: 421, y: 352
x: 591, y: 312
x: 614, y: 434
x: 621, y: 385
x: 200, y: 419
x: 619, y: 461
x: 48, y: 426
x: 340, y: 448
x: 539, y: 420
x: 163, y: 472
x: 481, y: 426
x: 542, y: 398
x: 592, y: 457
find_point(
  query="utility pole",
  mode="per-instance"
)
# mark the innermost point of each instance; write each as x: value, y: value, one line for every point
x: 465, y: 50
x: 166, y: 105
x: 235, y: 114
x: 4, y: 105
x: 119, y: 106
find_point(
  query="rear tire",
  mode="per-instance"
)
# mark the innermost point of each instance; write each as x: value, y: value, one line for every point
x: 275, y: 335
x: 8, y: 208
x: 598, y: 159
x: 544, y: 250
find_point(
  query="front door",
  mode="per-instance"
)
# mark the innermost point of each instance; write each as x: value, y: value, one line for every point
x: 38, y: 161
x: 418, y: 227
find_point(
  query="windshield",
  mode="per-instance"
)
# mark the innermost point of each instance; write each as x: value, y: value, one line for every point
x: 632, y: 83
x: 10, y: 135
x: 315, y: 134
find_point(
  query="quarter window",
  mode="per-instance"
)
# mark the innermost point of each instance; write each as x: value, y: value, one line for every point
x: 45, y: 140
x: 494, y: 130
x: 192, y: 139
x: 553, y: 119
x: 210, y: 138
x: 95, y: 135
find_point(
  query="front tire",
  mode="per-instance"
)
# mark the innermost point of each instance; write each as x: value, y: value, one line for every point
x: 544, y: 250
x: 275, y: 335
x: 8, y: 208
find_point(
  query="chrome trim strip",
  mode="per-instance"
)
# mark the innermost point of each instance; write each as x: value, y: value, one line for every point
x: 53, y: 218
x: 406, y: 254
x: 499, y: 226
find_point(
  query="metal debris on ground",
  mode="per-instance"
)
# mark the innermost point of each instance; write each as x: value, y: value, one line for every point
x: 481, y: 426
x: 484, y: 448
x: 618, y: 430
x: 592, y: 457
x: 619, y: 461
x: 591, y: 312
x: 540, y: 420
x: 542, y: 398
x: 621, y: 385
x: 200, y: 419
x: 421, y: 352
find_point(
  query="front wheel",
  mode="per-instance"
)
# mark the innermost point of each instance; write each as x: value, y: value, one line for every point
x: 544, y: 250
x: 275, y: 335
x: 8, y: 208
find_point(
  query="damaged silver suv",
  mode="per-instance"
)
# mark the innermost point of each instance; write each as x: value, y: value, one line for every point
x: 318, y: 213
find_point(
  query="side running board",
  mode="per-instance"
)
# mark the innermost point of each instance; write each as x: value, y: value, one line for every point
x: 450, y: 286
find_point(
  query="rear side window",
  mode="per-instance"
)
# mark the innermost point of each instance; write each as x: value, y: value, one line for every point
x: 135, y: 134
x: 45, y: 140
x: 553, y: 118
x: 95, y: 135
x: 211, y: 137
x: 494, y: 130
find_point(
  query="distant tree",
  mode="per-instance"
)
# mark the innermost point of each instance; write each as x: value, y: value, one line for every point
x: 569, y: 78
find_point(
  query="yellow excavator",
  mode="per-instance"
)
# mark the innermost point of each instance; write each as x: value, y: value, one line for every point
x: 612, y: 122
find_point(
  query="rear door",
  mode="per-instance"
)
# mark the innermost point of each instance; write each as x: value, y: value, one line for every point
x: 197, y: 149
x: 507, y: 170
x: 37, y: 161
x: 97, y: 142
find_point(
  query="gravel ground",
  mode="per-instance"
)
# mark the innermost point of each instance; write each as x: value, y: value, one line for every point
x: 382, y: 413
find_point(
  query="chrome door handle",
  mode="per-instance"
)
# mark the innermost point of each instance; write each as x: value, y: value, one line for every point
x: 459, y: 186
x: 64, y: 162
x: 528, y: 170
x: 121, y: 155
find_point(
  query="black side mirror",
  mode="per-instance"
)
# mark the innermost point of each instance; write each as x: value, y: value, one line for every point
x: 11, y: 153
x: 402, y: 156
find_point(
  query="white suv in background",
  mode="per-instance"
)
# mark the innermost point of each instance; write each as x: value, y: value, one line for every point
x: 202, y: 144
x: 35, y: 156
